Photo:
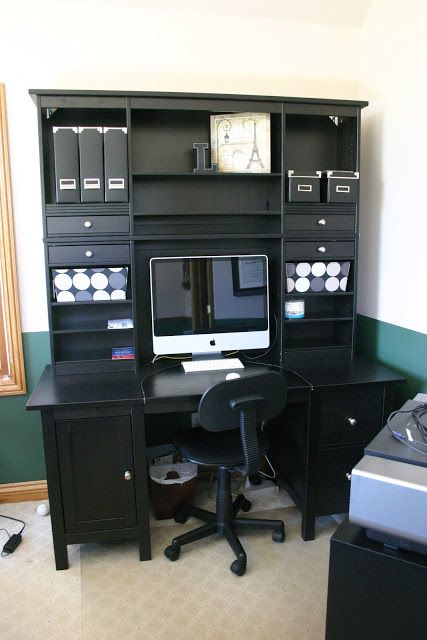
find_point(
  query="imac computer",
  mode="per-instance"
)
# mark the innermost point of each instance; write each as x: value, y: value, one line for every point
x: 204, y: 305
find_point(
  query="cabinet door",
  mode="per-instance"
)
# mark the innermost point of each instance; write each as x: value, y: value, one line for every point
x: 96, y: 469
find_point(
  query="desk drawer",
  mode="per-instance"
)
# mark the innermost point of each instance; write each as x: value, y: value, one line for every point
x: 332, y: 482
x: 321, y: 224
x: 97, y: 254
x: 348, y: 417
x: 319, y: 249
x: 87, y: 225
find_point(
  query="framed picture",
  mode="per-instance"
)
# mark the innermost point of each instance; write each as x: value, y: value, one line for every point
x: 240, y: 142
x: 249, y: 276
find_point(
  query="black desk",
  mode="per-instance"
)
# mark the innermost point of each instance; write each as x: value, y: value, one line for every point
x: 95, y: 447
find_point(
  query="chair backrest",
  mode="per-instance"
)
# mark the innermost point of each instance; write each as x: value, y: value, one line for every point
x: 243, y: 403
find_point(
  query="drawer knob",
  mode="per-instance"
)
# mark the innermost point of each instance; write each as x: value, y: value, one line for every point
x: 348, y: 476
x: 322, y: 222
x: 128, y: 475
x: 89, y: 253
x: 321, y: 249
x: 88, y: 224
x: 352, y: 422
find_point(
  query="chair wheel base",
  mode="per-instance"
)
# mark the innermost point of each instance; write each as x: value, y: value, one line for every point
x: 180, y: 518
x: 278, y: 535
x: 238, y: 567
x: 246, y: 505
x: 172, y: 553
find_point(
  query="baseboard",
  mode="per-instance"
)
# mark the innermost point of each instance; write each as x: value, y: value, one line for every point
x: 23, y: 491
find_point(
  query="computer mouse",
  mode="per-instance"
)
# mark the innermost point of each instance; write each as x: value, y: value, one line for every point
x: 232, y: 375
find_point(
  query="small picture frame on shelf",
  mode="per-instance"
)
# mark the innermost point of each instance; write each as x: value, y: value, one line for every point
x: 240, y: 142
x: 317, y: 277
x: 249, y: 276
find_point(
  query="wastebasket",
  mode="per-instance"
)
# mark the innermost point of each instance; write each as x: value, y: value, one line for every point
x: 172, y: 485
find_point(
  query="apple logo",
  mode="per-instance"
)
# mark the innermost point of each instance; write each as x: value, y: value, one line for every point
x: 212, y: 343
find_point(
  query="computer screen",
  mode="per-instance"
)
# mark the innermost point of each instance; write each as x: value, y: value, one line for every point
x: 209, y: 304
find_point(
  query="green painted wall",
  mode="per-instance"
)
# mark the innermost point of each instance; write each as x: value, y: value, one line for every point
x: 21, y: 445
x: 21, y: 442
x: 399, y: 349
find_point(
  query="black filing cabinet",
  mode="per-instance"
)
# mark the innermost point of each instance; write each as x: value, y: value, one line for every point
x: 315, y: 454
x: 96, y: 472
x: 374, y: 593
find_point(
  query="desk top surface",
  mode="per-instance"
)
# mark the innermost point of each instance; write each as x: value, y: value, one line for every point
x: 355, y: 371
x: 157, y: 386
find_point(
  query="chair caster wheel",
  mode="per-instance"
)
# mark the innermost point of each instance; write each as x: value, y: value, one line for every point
x: 172, y: 553
x: 238, y: 567
x: 246, y: 505
x: 278, y: 535
x: 180, y: 517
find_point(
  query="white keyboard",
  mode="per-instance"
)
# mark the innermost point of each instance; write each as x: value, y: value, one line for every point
x: 221, y: 364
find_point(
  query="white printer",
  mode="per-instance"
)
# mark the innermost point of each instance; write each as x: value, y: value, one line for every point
x: 389, y: 485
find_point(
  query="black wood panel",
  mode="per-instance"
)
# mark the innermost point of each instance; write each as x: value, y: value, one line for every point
x: 321, y: 225
x: 70, y: 391
x: 320, y: 143
x: 200, y: 194
x: 318, y: 335
x: 94, y: 455
x: 347, y: 417
x: 212, y: 224
x: 332, y: 249
x: 85, y: 316
x: 88, y: 208
x: 96, y: 254
x: 87, y: 225
x: 332, y: 478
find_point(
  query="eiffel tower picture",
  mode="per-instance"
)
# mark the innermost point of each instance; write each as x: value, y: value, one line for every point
x: 255, y: 157
x: 240, y: 142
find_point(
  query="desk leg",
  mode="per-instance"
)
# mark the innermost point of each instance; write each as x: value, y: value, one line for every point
x: 141, y: 482
x: 308, y: 526
x: 54, y: 490
x: 61, y: 554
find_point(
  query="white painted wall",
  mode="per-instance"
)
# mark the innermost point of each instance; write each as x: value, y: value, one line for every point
x: 72, y: 45
x: 393, y: 247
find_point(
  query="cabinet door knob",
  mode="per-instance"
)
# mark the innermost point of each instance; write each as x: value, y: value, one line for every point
x: 321, y: 249
x: 88, y: 224
x: 348, y: 476
x: 128, y: 475
x: 89, y: 254
x: 352, y: 422
x: 322, y: 222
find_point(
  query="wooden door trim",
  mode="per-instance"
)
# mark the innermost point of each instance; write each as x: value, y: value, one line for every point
x: 12, y: 374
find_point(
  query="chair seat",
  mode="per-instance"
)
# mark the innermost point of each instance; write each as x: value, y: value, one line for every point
x: 213, y: 448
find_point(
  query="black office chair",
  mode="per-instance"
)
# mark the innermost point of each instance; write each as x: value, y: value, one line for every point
x: 230, y: 414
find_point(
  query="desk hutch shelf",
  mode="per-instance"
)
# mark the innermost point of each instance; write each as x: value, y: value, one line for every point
x: 171, y: 210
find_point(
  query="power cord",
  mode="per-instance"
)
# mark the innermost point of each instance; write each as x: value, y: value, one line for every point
x: 415, y: 415
x: 13, y: 540
x: 261, y: 355
x: 266, y: 475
